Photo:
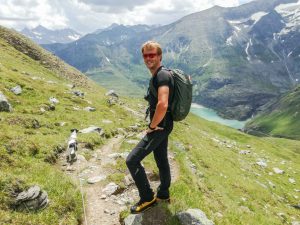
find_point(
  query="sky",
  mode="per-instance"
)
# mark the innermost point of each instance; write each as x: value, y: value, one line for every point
x: 86, y: 16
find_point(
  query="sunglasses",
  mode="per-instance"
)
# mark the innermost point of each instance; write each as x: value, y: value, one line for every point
x: 150, y: 55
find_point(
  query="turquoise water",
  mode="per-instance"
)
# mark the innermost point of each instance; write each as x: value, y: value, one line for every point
x: 211, y: 115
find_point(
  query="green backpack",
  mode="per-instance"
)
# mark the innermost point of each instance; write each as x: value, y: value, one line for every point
x: 182, y: 96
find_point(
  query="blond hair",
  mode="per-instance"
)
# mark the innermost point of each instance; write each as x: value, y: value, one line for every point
x: 152, y: 45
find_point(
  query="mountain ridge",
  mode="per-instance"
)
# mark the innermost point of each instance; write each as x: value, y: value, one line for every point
x: 223, y: 49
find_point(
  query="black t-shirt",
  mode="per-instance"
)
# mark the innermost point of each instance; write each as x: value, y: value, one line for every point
x: 162, y: 78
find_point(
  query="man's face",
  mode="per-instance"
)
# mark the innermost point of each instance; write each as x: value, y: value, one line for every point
x: 151, y: 58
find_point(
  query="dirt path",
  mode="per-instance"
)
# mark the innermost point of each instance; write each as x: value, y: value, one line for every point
x: 102, y: 208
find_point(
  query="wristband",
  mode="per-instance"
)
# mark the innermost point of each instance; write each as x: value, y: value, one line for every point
x: 151, y: 127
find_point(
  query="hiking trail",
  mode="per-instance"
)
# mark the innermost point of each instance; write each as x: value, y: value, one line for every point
x: 103, y: 204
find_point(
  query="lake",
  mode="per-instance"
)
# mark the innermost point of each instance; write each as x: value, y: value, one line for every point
x: 211, y: 115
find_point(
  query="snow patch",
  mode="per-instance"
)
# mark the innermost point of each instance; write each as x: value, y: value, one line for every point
x: 290, y: 54
x: 107, y: 59
x: 257, y: 16
x: 74, y: 37
x: 247, y: 51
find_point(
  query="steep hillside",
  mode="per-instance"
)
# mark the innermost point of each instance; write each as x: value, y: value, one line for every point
x: 240, y: 58
x: 279, y: 119
x: 36, y: 131
x: 233, y: 177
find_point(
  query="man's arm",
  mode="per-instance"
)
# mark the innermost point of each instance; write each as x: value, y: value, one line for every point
x: 161, y: 107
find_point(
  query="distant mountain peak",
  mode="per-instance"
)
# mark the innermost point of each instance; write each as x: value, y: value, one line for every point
x: 43, y: 35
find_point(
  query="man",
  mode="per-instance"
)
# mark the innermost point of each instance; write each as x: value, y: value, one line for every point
x: 156, y: 138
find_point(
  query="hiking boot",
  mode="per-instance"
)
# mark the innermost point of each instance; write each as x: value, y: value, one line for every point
x: 141, y: 206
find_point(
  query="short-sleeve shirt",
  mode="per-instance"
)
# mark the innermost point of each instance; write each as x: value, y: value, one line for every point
x: 161, y: 78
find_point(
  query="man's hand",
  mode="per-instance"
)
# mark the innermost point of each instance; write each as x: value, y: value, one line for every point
x: 148, y: 131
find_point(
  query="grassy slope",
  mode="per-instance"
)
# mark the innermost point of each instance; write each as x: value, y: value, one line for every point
x: 281, y: 119
x: 26, y: 153
x: 227, y: 182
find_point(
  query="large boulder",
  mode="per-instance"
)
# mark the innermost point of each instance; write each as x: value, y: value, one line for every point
x: 31, y: 200
x: 193, y: 216
x: 4, y: 104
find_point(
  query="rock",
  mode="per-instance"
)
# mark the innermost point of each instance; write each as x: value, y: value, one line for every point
x: 32, y: 199
x: 112, y: 93
x: 42, y: 110
x: 103, y: 197
x: 278, y: 171
x: 91, y: 129
x: 292, y: 181
x: 134, y: 219
x: 53, y: 100
x: 244, y: 152
x: 193, y: 216
x: 262, y: 163
x: 4, y: 104
x: 78, y: 93
x: 81, y: 158
x: 106, y: 121
x: 271, y: 184
x: 128, y: 180
x: 96, y: 179
x: 296, y: 223
x: 110, y: 189
x: 248, y: 146
x: 179, y: 146
x: 17, y: 90
x: 90, y: 109
x: 132, y: 141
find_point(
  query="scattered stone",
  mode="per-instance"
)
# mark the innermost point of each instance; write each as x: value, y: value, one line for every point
x: 35, y: 124
x: 296, y: 206
x: 90, y: 109
x: 52, y: 107
x: 33, y: 199
x: 70, y: 86
x: 14, y: 69
x: 76, y: 108
x: 92, y: 129
x: 244, y: 152
x: 296, y: 223
x: 262, y: 163
x: 193, y: 216
x: 219, y: 215
x: 132, y: 141
x: 106, y: 121
x: 118, y: 155
x: 42, y: 110
x: 17, y: 90
x: 60, y: 124
x: 112, y: 93
x: 244, y: 209
x: 96, y: 179
x: 110, y: 189
x: 103, y: 197
x: 128, y: 180
x: 248, y: 146
x: 271, y: 184
x: 179, y: 146
x: 4, y: 104
x: 292, y: 180
x: 133, y: 219
x: 78, y: 93
x: 278, y: 171
x: 53, y: 100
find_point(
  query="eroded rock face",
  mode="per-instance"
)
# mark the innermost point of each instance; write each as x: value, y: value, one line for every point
x: 193, y: 216
x: 4, y: 104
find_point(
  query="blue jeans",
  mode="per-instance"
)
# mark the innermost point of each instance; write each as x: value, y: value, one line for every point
x: 157, y: 141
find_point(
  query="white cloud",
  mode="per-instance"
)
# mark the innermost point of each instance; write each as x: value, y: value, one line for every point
x: 89, y: 15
